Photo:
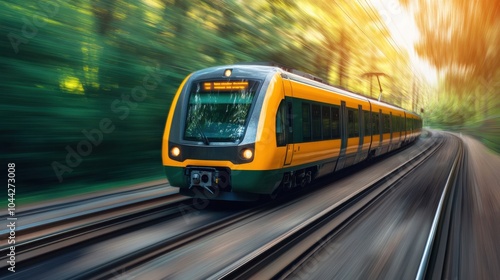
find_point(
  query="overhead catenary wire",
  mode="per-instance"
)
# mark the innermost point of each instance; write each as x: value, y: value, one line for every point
x: 391, y: 41
x: 391, y: 61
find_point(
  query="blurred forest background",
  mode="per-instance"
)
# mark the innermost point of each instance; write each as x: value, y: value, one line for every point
x: 461, y: 39
x: 87, y: 85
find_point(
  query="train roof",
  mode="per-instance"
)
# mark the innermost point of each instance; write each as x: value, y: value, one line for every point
x: 261, y: 70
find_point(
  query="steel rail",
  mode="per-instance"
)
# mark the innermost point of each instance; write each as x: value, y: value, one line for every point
x: 105, y: 271
x: 38, y: 226
x: 270, y: 252
x: 439, y: 216
x: 89, y: 198
x: 42, y: 246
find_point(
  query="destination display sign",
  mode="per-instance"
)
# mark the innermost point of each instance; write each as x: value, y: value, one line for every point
x: 225, y: 85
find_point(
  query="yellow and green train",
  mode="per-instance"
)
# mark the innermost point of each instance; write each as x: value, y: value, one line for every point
x: 238, y: 132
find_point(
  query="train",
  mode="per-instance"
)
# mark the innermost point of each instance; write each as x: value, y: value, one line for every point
x: 244, y: 132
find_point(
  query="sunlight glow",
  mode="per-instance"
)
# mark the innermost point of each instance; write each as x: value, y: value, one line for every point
x: 401, y: 23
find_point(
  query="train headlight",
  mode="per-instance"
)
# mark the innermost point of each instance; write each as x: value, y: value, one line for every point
x: 175, y: 151
x: 247, y: 153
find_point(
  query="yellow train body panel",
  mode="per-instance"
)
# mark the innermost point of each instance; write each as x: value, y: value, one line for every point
x: 305, y: 153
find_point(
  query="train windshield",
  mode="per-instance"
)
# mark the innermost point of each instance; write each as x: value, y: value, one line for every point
x: 218, y: 110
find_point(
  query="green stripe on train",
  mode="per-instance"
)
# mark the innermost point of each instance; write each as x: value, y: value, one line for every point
x: 255, y: 181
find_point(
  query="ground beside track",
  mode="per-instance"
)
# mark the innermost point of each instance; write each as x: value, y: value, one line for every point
x: 479, y: 246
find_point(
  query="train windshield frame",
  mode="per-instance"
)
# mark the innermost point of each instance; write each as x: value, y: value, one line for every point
x: 219, y: 111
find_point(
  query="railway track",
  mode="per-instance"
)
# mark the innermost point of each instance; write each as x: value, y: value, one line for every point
x: 40, y: 237
x: 146, y: 254
x: 441, y: 256
x: 277, y: 257
x: 274, y: 258
x: 109, y: 222
x: 41, y: 219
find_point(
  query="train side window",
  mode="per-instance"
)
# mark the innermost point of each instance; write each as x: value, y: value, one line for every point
x: 335, y: 122
x: 290, y: 138
x: 316, y: 121
x: 366, y: 115
x: 326, y: 119
x: 356, y: 122
x: 280, y: 125
x: 375, y: 123
x: 306, y: 122
x: 387, y: 123
x: 352, y: 123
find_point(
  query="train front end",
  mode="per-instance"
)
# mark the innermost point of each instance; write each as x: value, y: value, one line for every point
x: 219, y: 134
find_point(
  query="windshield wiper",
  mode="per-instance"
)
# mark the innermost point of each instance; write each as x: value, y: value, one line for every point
x: 204, y: 138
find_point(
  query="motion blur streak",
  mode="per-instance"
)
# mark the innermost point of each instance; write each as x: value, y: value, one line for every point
x: 64, y: 64
x: 461, y: 39
x: 480, y: 230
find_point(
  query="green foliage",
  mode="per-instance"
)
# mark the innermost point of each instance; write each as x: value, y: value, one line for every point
x: 461, y: 38
x: 448, y: 112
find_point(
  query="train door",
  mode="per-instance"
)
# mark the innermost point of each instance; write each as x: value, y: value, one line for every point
x: 361, y: 131
x: 405, y: 136
x: 369, y: 125
x: 381, y: 130
x: 287, y: 87
x: 398, y: 130
x: 391, y: 137
x: 343, y: 135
